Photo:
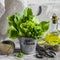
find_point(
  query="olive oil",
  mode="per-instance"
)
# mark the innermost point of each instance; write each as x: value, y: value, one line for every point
x: 53, y: 39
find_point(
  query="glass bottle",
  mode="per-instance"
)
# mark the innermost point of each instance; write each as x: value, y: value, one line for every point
x: 53, y: 36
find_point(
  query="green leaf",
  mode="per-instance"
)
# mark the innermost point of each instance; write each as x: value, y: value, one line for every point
x: 20, y: 55
x: 36, y: 20
x: 12, y: 32
x: 27, y: 12
x: 44, y: 25
x: 17, y: 18
x: 10, y: 20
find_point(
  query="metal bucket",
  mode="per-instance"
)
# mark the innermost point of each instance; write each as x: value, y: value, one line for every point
x: 27, y: 45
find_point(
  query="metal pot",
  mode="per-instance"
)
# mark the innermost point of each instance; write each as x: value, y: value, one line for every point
x: 27, y: 45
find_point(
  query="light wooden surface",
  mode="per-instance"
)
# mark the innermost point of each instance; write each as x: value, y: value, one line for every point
x: 32, y: 57
x: 28, y: 57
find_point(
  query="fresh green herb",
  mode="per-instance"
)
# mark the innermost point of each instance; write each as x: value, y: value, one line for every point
x: 44, y: 25
x: 20, y: 55
x: 28, y: 12
x: 26, y: 25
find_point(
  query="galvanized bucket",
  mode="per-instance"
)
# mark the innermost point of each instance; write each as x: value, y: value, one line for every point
x: 27, y: 45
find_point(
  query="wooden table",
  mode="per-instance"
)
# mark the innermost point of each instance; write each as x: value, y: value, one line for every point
x: 29, y: 57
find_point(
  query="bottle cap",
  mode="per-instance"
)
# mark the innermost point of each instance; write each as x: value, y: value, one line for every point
x: 54, y: 18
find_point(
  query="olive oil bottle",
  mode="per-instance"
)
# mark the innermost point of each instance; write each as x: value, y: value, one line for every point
x: 53, y: 37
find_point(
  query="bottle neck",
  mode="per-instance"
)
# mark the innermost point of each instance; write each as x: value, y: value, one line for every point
x: 54, y: 27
